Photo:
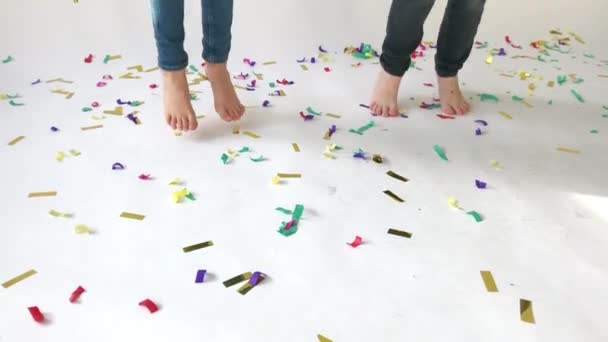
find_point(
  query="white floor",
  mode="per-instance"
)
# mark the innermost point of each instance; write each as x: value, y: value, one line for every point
x: 545, y: 213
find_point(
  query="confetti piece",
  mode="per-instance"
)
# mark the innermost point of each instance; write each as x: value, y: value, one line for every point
x: 443, y: 116
x: 478, y: 131
x: 150, y: 305
x: 364, y: 128
x: 578, y: 96
x: 188, y: 249
x: 36, y: 314
x: 568, y: 150
x: 18, y: 278
x: 561, y: 79
x: 481, y: 122
x: 475, y: 215
x: 251, y: 284
x: 296, y: 148
x: 235, y: 130
x: 144, y: 177
x: 480, y: 185
x: 425, y: 105
x: 453, y: 203
x: 7, y: 59
x: 116, y: 111
x: 256, y: 278
x: 488, y: 98
x: 237, y: 279
x: 525, y: 311
x: 225, y: 158
x: 489, y: 59
x: 360, y: 154
x: 396, y: 176
x: 356, y: 242
x: 59, y: 156
x: 401, y: 233
x: 82, y: 229
x: 118, y: 166
x: 303, y: 67
x: 87, y: 128
x: 289, y: 175
x: 258, y: 159
x: 323, y: 338
x: 308, y: 117
x: 56, y: 213
x: 16, y: 140
x: 276, y: 180
x: 251, y: 134
x: 377, y: 158
x: 495, y: 164
x: 488, y: 281
x: 76, y: 294
x: 284, y: 211
x: 42, y: 194
x: 132, y: 216
x: 440, y: 152
x: 312, y: 111
x: 327, y: 69
x: 200, y: 276
x: 175, y: 181
x: 505, y: 115
x: 393, y: 196
x: 179, y: 195
x: 15, y: 104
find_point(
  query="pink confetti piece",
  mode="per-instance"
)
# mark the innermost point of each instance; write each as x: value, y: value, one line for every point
x: 327, y: 69
x: 443, y: 116
x: 290, y: 224
x: 88, y: 59
x: 76, y: 294
x: 107, y: 77
x: 252, y: 84
x: 356, y: 242
x: 144, y: 177
x: 285, y: 82
x: 153, y: 86
x: 249, y: 61
x: 36, y: 314
x: 428, y: 84
x: 95, y: 104
x: 150, y: 305
x: 508, y: 40
x: 101, y: 84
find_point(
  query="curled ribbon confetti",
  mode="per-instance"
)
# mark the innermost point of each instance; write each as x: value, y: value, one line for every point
x: 88, y: 59
x: 356, y: 242
x: 118, y: 166
x: 150, y: 305
x: 76, y: 294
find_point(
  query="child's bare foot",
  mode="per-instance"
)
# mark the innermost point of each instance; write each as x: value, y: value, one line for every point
x: 227, y: 104
x: 452, y: 101
x: 384, y: 98
x: 176, y: 97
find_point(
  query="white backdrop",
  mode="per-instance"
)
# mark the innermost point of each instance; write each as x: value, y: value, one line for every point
x: 543, y: 235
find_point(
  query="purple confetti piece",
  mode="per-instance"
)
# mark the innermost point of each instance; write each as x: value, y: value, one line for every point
x: 255, y: 278
x: 481, y: 122
x: 359, y: 154
x: 403, y: 115
x: 478, y: 131
x: 250, y: 89
x: 36, y: 82
x: 118, y: 166
x: 364, y: 105
x: 301, y: 60
x: 121, y: 102
x: 502, y: 52
x: 54, y: 129
x: 306, y: 117
x: 266, y: 103
x: 313, y: 60
x: 332, y: 130
x: 200, y: 276
x: 252, y: 84
x: 480, y: 184
x: 321, y: 49
x: 132, y: 118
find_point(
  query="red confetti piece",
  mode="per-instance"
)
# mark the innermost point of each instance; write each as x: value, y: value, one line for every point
x: 144, y: 177
x: 508, y: 40
x: 327, y: 69
x: 107, y: 77
x: 443, y: 116
x: 428, y: 84
x: 150, y: 305
x: 95, y: 104
x: 88, y: 59
x: 356, y: 242
x: 76, y: 294
x: 153, y: 86
x: 101, y: 84
x: 36, y: 314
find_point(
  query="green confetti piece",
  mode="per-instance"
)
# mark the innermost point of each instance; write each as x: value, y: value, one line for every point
x: 86, y: 109
x: 475, y: 215
x: 192, y: 248
x: 556, y: 48
x: 362, y: 129
x: 412, y: 65
x: 561, y: 79
x: 555, y: 61
x: 539, y: 58
x: 516, y: 98
x: 136, y: 103
x: 106, y: 59
x: 272, y: 85
x: 193, y: 68
x: 605, y: 115
x: 284, y: 211
x: 258, y: 159
x: 288, y: 232
x: 297, y: 212
x: 588, y: 55
x: 440, y: 152
x: 550, y: 102
x: 312, y: 111
x: 594, y: 131
x: 16, y: 96
x: 7, y: 59
x: 190, y: 196
x: 578, y: 96
x: 225, y: 158
x: 193, y: 97
x: 15, y: 104
x: 606, y: 108
x: 578, y: 81
x: 244, y: 149
x: 482, y: 46
x: 488, y: 97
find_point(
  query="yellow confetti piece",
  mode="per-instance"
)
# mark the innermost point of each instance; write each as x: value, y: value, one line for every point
x: 251, y: 134
x: 232, y: 153
x: 113, y: 57
x: 506, y: 75
x: 56, y: 213
x: 201, y: 116
x: 453, y: 203
x: 138, y: 68
x: 239, y: 87
x: 18, y: 278
x: 568, y: 150
x: 236, y: 130
x: 489, y: 59
x: 276, y: 179
x: 329, y: 155
x: 94, y: 117
x: 577, y: 37
x: 87, y: 128
x: 75, y: 153
x: 82, y: 229
x: 129, y: 76
x: 269, y: 63
x: 179, y: 195
x: 304, y: 67
x: 331, y: 115
x: 133, y: 216
x: 525, y: 311
x: 175, y: 181
x: 495, y: 164
x: 505, y: 115
x: 177, y: 134
x: 527, y: 104
x: 323, y: 338
x: 531, y: 86
x: 605, y: 76
x: 116, y: 111
x: 289, y: 175
x: 60, y: 156
x: 550, y: 84
x: 488, y: 281
x: 296, y: 148
x: 152, y: 69
x: 59, y: 80
x: 42, y: 194
x: 16, y: 140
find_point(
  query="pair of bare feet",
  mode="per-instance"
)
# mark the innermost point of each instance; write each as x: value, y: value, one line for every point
x: 384, y: 98
x: 176, y: 96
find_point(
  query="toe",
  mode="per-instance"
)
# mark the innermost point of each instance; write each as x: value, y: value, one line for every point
x: 193, y: 123
x: 447, y: 109
x: 179, y: 124
x: 384, y: 111
x: 168, y: 119
x: 173, y: 123
x: 394, y: 111
x: 374, y: 109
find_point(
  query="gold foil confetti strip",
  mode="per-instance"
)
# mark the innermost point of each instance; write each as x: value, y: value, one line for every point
x: 296, y: 148
x: 87, y: 128
x: 18, y: 278
x: 116, y: 111
x: 393, y: 196
x: 568, y: 150
x: 42, y: 194
x: 525, y: 311
x: 132, y: 216
x: 138, y: 68
x: 191, y: 248
x: 289, y: 175
x: 82, y: 229
x: 16, y: 140
x: 269, y: 63
x: 129, y: 76
x: 488, y: 281
x: 401, y: 233
x: 506, y: 115
x: 331, y: 115
x: 251, y: 134
x: 235, y: 280
x: 323, y: 338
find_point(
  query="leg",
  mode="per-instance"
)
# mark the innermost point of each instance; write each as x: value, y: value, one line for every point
x: 168, y: 17
x: 217, y: 22
x: 403, y: 35
x: 454, y: 45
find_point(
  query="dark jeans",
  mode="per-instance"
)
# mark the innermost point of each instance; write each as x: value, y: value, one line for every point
x: 456, y: 36
x: 168, y: 20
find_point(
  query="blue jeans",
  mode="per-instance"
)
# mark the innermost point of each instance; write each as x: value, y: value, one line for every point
x: 168, y: 20
x: 456, y: 35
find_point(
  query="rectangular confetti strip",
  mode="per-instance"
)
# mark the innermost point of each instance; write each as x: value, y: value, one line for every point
x: 236, y: 130
x: 192, y: 248
x: 401, y: 233
x: 248, y: 286
x: 132, y: 216
x: 568, y: 150
x: 235, y: 280
x: 488, y: 281
x: 152, y: 69
x: 304, y: 67
x: 393, y: 196
x: 331, y: 115
x: 525, y: 311
x: 116, y: 111
x: 396, y: 176
x: 296, y: 148
x: 269, y: 63
x: 87, y: 128
x: 251, y: 134
x: 18, y: 278
x: 16, y: 140
x: 289, y: 175
x: 323, y: 338
x: 42, y: 194
x: 505, y: 115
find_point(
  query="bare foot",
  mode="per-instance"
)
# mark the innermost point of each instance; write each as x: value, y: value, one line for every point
x: 176, y: 97
x: 384, y: 98
x: 227, y: 104
x: 452, y: 101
